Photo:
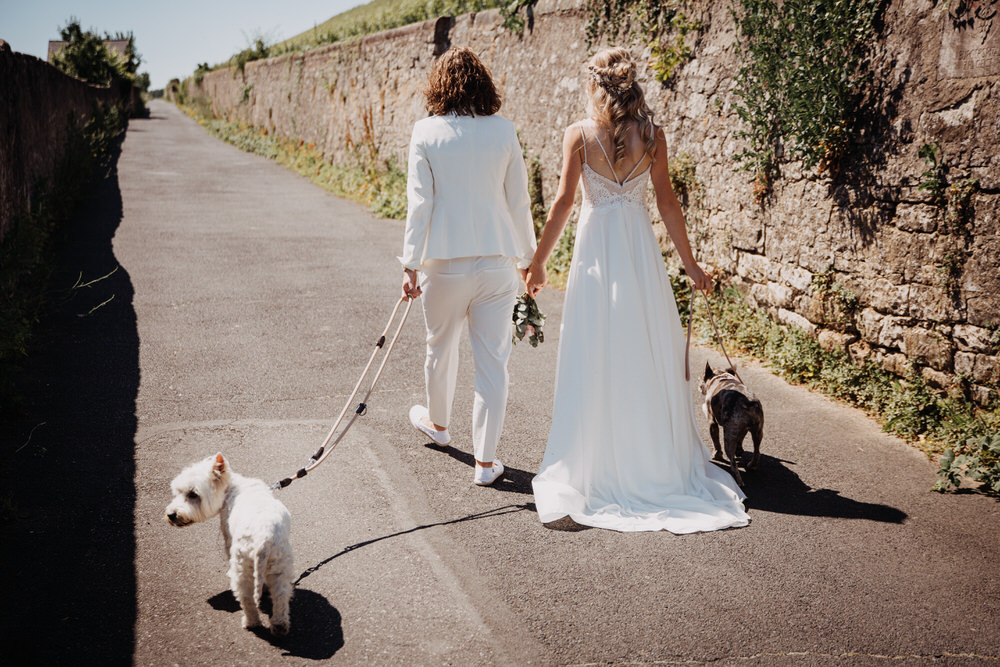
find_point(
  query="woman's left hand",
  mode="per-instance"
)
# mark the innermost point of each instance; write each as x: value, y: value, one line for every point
x: 701, y: 280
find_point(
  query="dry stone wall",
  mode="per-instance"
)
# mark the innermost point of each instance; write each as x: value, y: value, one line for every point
x: 855, y: 258
x: 39, y: 107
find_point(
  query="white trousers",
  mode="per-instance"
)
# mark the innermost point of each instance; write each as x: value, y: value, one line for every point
x: 480, y: 291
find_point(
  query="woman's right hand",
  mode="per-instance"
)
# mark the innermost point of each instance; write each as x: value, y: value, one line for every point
x: 536, y: 278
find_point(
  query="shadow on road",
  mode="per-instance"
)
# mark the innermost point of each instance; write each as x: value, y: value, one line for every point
x: 68, y: 458
x: 513, y: 480
x: 773, y: 487
x: 317, y: 633
x: 497, y: 511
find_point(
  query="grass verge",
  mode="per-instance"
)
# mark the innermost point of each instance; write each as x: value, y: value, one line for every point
x: 378, y: 184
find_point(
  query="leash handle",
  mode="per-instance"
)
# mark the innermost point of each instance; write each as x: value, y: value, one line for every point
x: 718, y: 337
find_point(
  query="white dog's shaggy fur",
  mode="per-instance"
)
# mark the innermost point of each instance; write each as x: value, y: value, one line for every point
x: 255, y: 527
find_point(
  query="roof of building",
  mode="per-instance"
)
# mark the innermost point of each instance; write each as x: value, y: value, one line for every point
x: 118, y: 46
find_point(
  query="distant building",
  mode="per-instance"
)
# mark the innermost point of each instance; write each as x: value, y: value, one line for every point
x: 118, y: 46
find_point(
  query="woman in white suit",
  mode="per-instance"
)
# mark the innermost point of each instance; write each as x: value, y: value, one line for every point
x: 469, y: 239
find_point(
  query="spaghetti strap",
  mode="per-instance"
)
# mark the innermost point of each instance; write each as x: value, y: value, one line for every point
x: 610, y: 164
x: 632, y: 173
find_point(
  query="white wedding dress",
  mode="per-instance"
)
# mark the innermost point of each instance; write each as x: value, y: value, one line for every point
x: 624, y: 451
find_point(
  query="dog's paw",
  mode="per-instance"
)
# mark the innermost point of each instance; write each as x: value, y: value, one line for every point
x: 280, y: 629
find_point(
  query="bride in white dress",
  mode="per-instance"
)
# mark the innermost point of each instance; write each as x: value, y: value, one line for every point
x: 624, y: 450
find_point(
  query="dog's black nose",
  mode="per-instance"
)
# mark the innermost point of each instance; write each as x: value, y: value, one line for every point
x: 172, y: 517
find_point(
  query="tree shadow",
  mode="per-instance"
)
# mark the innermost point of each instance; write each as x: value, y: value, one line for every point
x: 774, y: 487
x: 68, y: 456
x: 513, y: 480
x: 317, y: 632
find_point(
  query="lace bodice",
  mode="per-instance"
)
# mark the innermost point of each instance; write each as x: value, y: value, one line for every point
x: 600, y: 191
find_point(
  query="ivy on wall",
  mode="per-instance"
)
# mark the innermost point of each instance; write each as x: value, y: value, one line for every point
x: 800, y: 80
x: 663, y: 25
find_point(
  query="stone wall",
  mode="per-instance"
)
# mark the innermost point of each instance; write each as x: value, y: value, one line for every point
x: 855, y: 259
x: 39, y: 107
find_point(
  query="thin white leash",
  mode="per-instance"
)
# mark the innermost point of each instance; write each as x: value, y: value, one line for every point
x: 331, y: 442
x: 718, y: 336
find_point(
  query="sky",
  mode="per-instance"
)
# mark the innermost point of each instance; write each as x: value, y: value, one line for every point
x: 172, y: 36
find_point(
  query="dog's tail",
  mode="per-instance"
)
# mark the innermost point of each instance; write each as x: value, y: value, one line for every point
x: 259, y: 568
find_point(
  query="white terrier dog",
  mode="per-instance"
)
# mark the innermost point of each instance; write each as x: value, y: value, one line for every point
x: 255, y: 526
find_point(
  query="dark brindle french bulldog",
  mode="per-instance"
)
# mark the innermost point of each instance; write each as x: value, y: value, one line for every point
x: 729, y: 404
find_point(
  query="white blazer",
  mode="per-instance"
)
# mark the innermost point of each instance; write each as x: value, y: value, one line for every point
x: 467, y: 192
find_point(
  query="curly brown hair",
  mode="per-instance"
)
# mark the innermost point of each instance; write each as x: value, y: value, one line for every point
x: 460, y: 83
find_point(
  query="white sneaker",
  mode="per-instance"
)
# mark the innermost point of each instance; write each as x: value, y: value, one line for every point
x: 417, y: 415
x: 486, y: 476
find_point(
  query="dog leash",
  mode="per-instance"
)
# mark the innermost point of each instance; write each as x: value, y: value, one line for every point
x: 330, y: 443
x: 718, y: 336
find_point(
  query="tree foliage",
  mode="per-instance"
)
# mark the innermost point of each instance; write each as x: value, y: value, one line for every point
x: 87, y: 57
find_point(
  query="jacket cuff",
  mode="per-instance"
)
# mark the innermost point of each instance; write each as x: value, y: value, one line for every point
x: 413, y: 264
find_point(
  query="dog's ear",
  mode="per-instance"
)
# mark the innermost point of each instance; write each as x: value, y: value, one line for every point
x: 731, y: 370
x: 708, y: 371
x: 219, y: 466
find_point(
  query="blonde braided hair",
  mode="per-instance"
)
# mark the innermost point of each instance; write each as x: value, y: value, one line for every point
x: 616, y: 99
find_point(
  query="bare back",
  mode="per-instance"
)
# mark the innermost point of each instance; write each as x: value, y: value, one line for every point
x: 598, y: 152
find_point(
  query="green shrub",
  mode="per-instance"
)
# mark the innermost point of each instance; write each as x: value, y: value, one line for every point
x: 86, y: 57
x: 800, y: 80
x: 259, y: 49
x: 977, y: 458
x: 934, y: 179
x: 200, y: 72
x: 389, y: 200
x: 562, y: 257
x: 954, y: 202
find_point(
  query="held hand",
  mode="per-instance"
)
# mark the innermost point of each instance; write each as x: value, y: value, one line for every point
x: 411, y: 290
x: 535, y: 279
x: 702, y: 280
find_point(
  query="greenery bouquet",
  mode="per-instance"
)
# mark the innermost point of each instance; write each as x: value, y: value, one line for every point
x: 528, y: 319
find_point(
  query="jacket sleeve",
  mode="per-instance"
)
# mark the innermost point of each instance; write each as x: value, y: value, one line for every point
x: 519, y: 203
x: 419, y: 205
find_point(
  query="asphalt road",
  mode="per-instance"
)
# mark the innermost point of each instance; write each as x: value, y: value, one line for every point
x: 245, y: 305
